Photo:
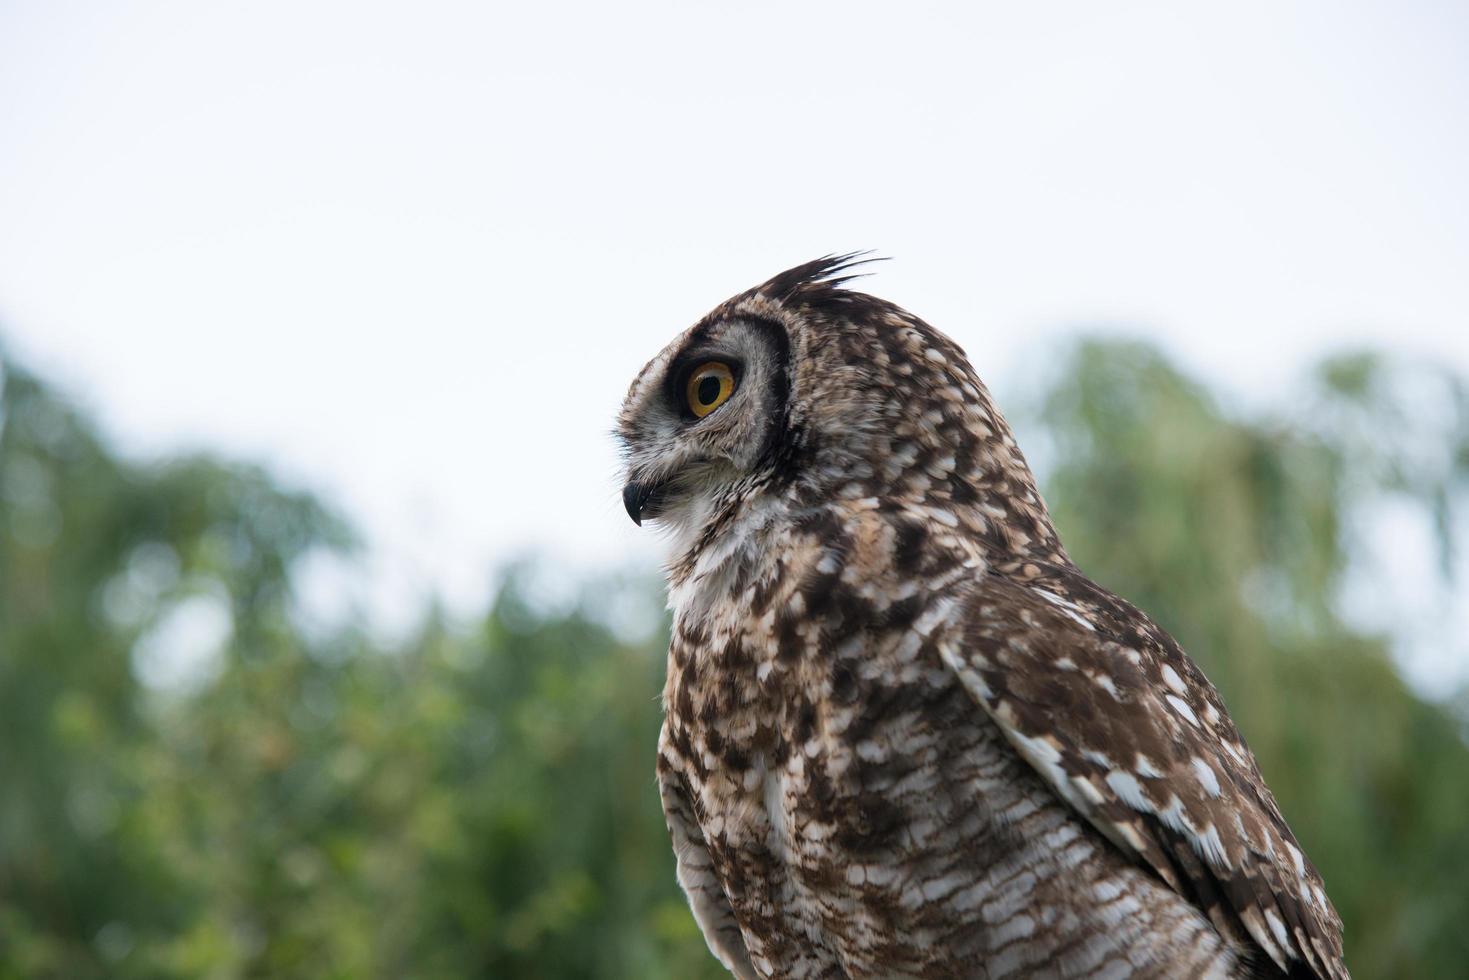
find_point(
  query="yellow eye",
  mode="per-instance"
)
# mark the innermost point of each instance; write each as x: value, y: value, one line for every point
x: 709, y: 387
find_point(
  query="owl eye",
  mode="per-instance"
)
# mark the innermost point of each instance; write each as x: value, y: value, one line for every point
x: 709, y: 386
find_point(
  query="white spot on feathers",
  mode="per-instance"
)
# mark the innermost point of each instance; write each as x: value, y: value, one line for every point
x: 1181, y: 706
x: 1296, y: 858
x: 1069, y: 608
x: 1211, y: 847
x: 774, y: 793
x: 1206, y: 777
x: 1278, y: 928
x: 1125, y: 785
x: 1174, y: 818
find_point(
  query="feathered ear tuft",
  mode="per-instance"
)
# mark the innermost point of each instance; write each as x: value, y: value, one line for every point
x: 825, y: 273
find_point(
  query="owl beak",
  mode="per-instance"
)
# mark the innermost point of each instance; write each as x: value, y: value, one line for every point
x: 635, y: 497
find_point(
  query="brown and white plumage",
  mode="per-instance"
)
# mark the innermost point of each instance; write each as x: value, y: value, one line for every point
x: 904, y: 735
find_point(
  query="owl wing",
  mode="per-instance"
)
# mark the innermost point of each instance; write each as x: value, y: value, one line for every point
x: 1125, y: 728
x: 695, y: 868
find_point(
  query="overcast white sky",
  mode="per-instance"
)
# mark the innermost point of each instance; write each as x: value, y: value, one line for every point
x: 412, y: 255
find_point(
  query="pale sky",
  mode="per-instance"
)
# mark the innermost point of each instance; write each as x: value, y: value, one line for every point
x: 411, y: 256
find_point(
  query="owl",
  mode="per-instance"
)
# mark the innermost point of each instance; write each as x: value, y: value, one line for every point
x: 904, y: 736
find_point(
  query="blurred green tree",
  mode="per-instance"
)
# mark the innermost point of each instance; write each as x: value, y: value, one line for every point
x: 101, y: 560
x: 194, y: 784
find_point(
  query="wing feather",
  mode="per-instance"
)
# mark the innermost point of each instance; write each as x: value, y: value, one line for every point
x: 1126, y: 729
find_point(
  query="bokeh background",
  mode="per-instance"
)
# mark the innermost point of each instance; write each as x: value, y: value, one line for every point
x: 326, y: 649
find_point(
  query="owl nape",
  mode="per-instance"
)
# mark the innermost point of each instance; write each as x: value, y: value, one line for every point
x: 904, y: 735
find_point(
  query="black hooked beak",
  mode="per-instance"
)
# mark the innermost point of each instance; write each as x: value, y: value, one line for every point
x: 635, y: 497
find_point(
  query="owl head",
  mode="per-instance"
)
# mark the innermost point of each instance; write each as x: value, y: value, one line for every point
x: 799, y: 392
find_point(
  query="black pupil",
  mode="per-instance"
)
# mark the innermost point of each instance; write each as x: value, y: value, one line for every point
x: 708, y: 389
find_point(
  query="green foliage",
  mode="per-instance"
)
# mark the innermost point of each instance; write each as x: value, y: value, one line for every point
x: 478, y: 800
